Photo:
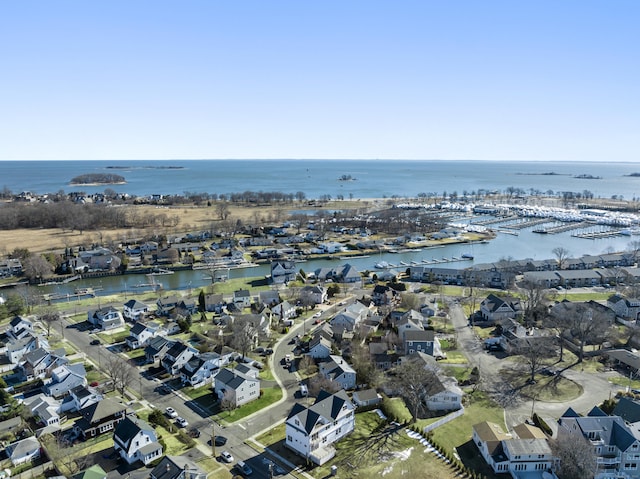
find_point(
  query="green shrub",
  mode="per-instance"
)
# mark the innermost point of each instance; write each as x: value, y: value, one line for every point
x: 538, y: 421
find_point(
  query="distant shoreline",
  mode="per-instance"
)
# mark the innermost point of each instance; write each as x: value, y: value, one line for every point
x: 99, y: 183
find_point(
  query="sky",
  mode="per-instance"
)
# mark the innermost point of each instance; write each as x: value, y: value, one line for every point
x: 543, y: 80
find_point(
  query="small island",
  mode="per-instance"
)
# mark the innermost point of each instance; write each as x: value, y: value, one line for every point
x: 588, y: 177
x: 633, y: 175
x: 98, y: 179
x: 346, y: 178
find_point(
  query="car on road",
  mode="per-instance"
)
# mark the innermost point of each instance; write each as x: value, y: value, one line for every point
x: 226, y: 456
x: 220, y: 441
x: 193, y: 432
x: 182, y: 422
x: 164, y: 389
x: 172, y: 413
x: 95, y: 342
x: 244, y: 468
x: 318, y: 314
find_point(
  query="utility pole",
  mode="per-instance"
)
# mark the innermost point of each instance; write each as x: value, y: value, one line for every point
x: 213, y: 438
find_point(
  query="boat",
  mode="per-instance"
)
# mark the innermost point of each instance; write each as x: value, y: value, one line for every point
x: 467, y: 256
x: 382, y: 265
x: 159, y: 272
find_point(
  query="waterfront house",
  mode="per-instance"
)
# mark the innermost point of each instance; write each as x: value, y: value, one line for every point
x: 19, y: 327
x: 242, y: 298
x: 134, y: 310
x: 311, y: 431
x: 282, y: 271
x: 105, y: 318
x: 100, y: 259
x: 625, y: 308
x: 236, y: 387
x: 494, y: 308
x: 135, y: 440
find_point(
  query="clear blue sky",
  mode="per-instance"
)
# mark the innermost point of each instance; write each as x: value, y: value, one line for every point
x: 489, y: 80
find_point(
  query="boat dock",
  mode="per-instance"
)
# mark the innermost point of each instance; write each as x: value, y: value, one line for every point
x: 79, y: 293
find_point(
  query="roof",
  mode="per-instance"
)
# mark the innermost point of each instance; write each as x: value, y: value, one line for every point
x: 94, y: 472
x: 23, y: 447
x: 232, y: 379
x: 135, y: 304
x: 100, y: 410
x: 521, y: 447
x: 138, y: 328
x: 489, y: 432
x: 527, y: 431
x: 129, y: 427
x: 422, y: 335
x: 628, y: 409
x: 365, y: 395
x: 326, y: 408
x: 170, y: 467
x: 625, y: 357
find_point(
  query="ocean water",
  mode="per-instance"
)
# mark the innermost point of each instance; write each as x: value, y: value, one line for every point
x: 317, y: 178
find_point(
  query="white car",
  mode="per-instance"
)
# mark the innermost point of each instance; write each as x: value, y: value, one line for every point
x: 226, y: 456
x: 317, y: 315
x: 171, y: 412
x: 182, y: 422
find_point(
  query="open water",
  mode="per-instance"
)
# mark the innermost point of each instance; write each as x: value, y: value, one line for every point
x: 371, y: 179
x: 316, y: 178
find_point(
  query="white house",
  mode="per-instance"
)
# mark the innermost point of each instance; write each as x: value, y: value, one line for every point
x: 319, y: 347
x: 242, y: 298
x: 446, y: 395
x: 23, y: 451
x: 202, y: 369
x: 45, y: 409
x: 17, y: 348
x: 284, y: 310
x: 64, y: 378
x: 177, y: 356
x: 141, y: 333
x: 311, y: 431
x: 337, y: 369
x: 19, y: 327
x: 236, y: 387
x: 134, y: 310
x: 105, y: 318
x: 318, y: 293
x: 135, y: 440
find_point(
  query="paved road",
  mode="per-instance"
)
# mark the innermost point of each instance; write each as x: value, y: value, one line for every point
x: 596, y: 387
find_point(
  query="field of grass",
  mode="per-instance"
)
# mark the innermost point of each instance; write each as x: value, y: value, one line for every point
x: 454, y: 357
x: 269, y: 396
x: 377, y: 448
x: 396, y: 408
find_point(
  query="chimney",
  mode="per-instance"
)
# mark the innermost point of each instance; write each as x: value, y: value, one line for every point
x: 186, y: 472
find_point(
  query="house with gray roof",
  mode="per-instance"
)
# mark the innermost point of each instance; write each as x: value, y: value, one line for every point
x: 337, y: 369
x: 616, y: 448
x: 135, y: 440
x: 141, y: 333
x: 64, y: 378
x: 17, y: 348
x: 19, y: 327
x: 134, y: 310
x: 105, y: 318
x: 23, y: 451
x: 177, y: 467
x: 177, y: 356
x: 236, y: 387
x: 311, y: 431
x: 156, y: 348
x: 202, y: 369
x: 99, y: 417
x: 494, y: 308
x: 628, y: 309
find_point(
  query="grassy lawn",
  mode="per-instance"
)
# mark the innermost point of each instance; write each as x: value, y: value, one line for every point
x: 377, y: 448
x: 269, y: 396
x: 174, y: 446
x: 397, y: 408
x: 461, y: 374
x: 483, y: 333
x: 116, y: 337
x: 454, y: 357
x: 195, y: 393
x: 135, y: 353
x: 456, y: 434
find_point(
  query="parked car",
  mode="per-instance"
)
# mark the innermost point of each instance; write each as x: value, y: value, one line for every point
x: 95, y: 342
x: 220, y: 441
x: 182, y: 422
x: 244, y: 468
x: 226, y: 456
x: 172, y: 413
x: 193, y: 432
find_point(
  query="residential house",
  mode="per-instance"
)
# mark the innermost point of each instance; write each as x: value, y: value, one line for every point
x: 236, y: 387
x: 589, y: 277
x: 242, y: 298
x: 99, y: 417
x: 141, y: 333
x: 629, y: 360
x: 46, y: 410
x: 81, y: 397
x: 177, y: 356
x: 614, y: 444
x: 494, y: 308
x: 383, y: 295
x: 10, y: 267
x: 39, y: 363
x: 318, y: 293
x: 284, y: 311
x: 156, y: 348
x: 100, y: 259
x: 423, y: 341
x: 445, y: 395
x: 134, y: 310
x: 201, y: 369
x: 164, y: 306
x: 338, y: 370
x: 311, y: 431
x: 408, y: 323
x: 23, y: 451
x: 177, y: 467
x: 283, y: 271
x: 135, y: 440
x: 19, y: 327
x: 214, y: 303
x: 366, y: 397
x: 64, y: 378
x: 17, y: 348
x: 319, y: 347
x: 349, y: 319
x: 547, y: 279
x: 625, y: 308
x: 525, y: 452
x: 105, y: 318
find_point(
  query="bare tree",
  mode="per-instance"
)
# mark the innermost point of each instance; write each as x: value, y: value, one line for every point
x: 410, y: 301
x: 228, y: 401
x: 534, y: 302
x: 576, y: 455
x: 68, y: 459
x: 415, y: 382
x: 365, y: 368
x: 121, y: 373
x: 560, y: 324
x: 535, y: 352
x: 562, y: 254
x: 308, y: 365
x: 48, y: 317
x: 36, y: 267
x: 318, y: 383
x: 244, y: 335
